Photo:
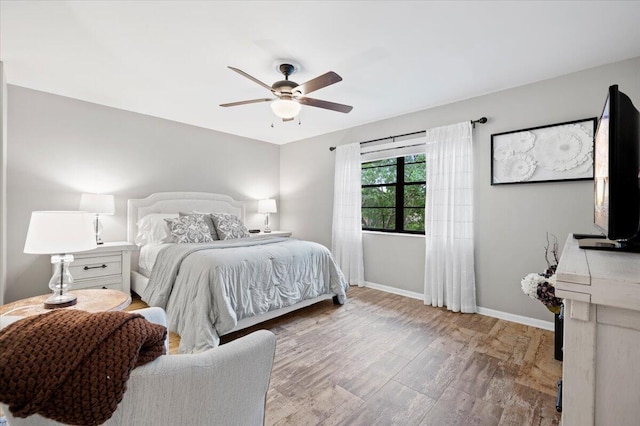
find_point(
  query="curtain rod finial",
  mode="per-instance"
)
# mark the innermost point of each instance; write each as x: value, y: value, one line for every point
x: 480, y: 120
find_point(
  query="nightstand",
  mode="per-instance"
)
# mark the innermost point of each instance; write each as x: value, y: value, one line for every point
x: 108, y: 266
x: 273, y: 234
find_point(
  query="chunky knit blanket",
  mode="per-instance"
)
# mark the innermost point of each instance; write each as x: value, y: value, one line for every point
x: 72, y: 366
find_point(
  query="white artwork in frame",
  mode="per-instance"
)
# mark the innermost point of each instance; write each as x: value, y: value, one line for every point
x: 556, y: 152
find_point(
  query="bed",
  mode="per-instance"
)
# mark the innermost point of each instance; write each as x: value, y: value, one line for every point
x: 214, y: 288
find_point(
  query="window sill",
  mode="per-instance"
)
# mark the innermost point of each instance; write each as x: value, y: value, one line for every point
x: 395, y: 234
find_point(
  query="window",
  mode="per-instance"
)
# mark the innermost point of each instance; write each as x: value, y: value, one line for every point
x: 393, y: 194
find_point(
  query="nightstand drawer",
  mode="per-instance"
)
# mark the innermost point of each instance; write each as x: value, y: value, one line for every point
x: 94, y: 267
x: 88, y: 271
x: 113, y: 282
x: 111, y: 287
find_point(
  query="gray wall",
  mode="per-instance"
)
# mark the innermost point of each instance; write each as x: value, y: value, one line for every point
x: 3, y: 182
x: 510, y: 220
x: 60, y: 147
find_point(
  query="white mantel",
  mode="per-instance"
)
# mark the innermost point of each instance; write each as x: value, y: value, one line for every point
x: 601, y: 367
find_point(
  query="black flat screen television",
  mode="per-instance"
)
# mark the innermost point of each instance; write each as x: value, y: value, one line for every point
x: 617, y: 175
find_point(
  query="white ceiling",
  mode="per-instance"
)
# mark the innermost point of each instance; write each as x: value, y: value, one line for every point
x: 169, y: 58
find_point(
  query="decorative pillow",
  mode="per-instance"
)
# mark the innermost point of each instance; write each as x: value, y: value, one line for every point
x: 229, y: 226
x: 153, y: 229
x: 189, y: 229
x: 206, y: 217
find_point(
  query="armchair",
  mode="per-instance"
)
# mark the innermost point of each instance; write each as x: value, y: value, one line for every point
x: 226, y: 385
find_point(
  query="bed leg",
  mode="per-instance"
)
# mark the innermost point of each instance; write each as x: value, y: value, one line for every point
x: 336, y: 301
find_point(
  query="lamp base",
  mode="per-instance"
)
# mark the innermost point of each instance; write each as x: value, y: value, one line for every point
x: 267, y: 228
x: 98, y: 229
x: 60, y: 301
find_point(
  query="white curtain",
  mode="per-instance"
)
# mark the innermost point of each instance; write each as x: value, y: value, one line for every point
x: 346, y: 234
x: 449, y: 263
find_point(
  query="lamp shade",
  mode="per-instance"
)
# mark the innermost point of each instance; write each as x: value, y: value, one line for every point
x: 285, y: 108
x: 60, y: 233
x: 98, y: 203
x: 267, y: 206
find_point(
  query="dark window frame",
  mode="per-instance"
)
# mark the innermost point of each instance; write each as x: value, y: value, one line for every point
x: 399, y: 207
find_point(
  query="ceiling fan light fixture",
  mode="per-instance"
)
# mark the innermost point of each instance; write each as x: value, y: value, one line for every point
x: 285, y: 108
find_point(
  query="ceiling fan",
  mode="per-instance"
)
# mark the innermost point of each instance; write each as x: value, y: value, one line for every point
x: 289, y: 94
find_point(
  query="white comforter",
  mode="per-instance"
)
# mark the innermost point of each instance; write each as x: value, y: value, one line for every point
x: 207, y: 288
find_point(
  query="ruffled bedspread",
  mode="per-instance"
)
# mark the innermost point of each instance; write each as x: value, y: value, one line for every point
x: 207, y: 288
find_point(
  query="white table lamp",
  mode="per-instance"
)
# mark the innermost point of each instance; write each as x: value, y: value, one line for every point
x: 59, y: 234
x: 266, y: 207
x: 98, y: 204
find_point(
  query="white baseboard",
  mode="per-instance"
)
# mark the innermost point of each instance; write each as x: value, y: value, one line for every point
x: 398, y: 291
x: 533, y: 322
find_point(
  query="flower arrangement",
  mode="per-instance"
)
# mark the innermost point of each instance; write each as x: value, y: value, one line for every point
x: 541, y: 286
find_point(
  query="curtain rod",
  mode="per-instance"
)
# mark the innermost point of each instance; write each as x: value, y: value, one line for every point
x: 480, y: 120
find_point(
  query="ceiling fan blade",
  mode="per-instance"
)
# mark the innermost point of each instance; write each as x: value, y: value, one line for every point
x: 266, y: 86
x: 252, y: 101
x: 325, y: 104
x: 318, y: 83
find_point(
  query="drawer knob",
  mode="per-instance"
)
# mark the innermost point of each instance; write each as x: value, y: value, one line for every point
x: 86, y: 268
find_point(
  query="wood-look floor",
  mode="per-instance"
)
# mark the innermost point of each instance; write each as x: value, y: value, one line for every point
x: 383, y: 359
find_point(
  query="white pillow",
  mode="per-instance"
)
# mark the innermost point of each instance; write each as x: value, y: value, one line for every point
x: 153, y: 229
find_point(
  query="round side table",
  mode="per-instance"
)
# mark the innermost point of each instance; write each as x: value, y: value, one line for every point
x: 90, y: 300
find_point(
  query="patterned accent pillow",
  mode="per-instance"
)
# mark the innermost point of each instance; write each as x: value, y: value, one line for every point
x: 229, y: 226
x: 206, y: 217
x: 189, y: 229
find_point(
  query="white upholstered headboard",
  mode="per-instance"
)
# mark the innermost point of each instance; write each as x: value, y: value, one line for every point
x: 175, y: 202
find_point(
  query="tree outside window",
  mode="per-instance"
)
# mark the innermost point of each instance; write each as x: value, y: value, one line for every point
x: 393, y: 194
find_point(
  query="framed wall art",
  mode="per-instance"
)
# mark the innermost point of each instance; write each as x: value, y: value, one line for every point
x: 557, y: 152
